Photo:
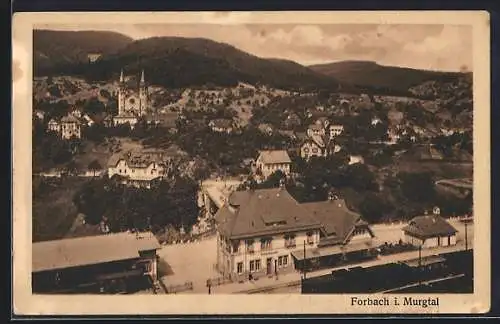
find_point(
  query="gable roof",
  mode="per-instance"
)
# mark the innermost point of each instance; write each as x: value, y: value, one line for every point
x: 316, y: 127
x: 429, y: 226
x: 143, y: 158
x: 336, y: 219
x: 70, y: 119
x: 275, y: 156
x: 81, y: 251
x: 262, y: 212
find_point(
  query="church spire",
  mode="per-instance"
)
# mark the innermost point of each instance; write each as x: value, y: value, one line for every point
x: 121, y: 76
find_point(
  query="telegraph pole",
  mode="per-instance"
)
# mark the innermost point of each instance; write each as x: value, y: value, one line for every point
x: 304, y: 261
x: 466, y: 241
x: 420, y: 264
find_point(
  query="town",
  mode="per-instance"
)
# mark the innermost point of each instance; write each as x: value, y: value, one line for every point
x: 249, y: 187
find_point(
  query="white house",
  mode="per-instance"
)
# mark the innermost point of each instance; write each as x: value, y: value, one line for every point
x: 429, y: 231
x: 140, y: 168
x: 354, y: 159
x: 335, y: 130
x: 270, y: 161
x: 221, y: 125
x: 68, y: 127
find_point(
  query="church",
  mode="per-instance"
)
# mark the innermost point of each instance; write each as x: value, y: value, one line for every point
x: 132, y: 103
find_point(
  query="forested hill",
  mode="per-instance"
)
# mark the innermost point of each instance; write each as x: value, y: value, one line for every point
x: 56, y: 49
x: 176, y: 62
x: 391, y: 79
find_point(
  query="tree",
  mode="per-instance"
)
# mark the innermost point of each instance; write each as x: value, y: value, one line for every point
x: 273, y: 180
x: 373, y: 208
x: 417, y: 187
x: 94, y: 166
x: 94, y: 106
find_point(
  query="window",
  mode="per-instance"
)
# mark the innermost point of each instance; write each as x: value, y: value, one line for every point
x: 290, y: 241
x: 255, y: 265
x: 265, y: 244
x: 252, y: 266
x: 283, y: 261
x: 310, y: 238
x: 315, y: 150
x: 306, y: 150
x: 153, y: 171
x: 250, y: 247
x: 239, y: 267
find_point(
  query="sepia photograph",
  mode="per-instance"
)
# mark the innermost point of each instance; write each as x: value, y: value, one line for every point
x: 195, y: 160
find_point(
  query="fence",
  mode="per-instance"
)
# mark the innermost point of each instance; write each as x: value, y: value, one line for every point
x: 219, y: 281
x: 173, y: 289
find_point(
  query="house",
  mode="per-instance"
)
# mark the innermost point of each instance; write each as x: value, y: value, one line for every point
x: 354, y: 159
x: 141, y: 168
x: 257, y: 231
x: 375, y: 121
x: 270, y: 161
x: 344, y: 235
x: 39, y: 114
x: 68, y: 127
x: 110, y: 263
x: 126, y: 118
x: 316, y: 129
x: 108, y: 121
x: 53, y: 126
x: 266, y: 129
x: 222, y: 125
x: 93, y: 57
x: 429, y: 231
x: 335, y: 130
x: 318, y: 146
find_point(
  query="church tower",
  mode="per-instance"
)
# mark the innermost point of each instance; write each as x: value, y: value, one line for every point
x: 143, y: 95
x: 121, y: 94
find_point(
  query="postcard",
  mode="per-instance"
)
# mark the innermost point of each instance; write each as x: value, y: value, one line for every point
x: 251, y: 163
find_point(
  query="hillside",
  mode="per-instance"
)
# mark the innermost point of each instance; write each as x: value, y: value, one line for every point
x: 53, y: 50
x: 176, y: 62
x: 367, y: 74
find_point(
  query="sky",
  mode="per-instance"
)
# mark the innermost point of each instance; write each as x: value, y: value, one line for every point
x: 430, y: 47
